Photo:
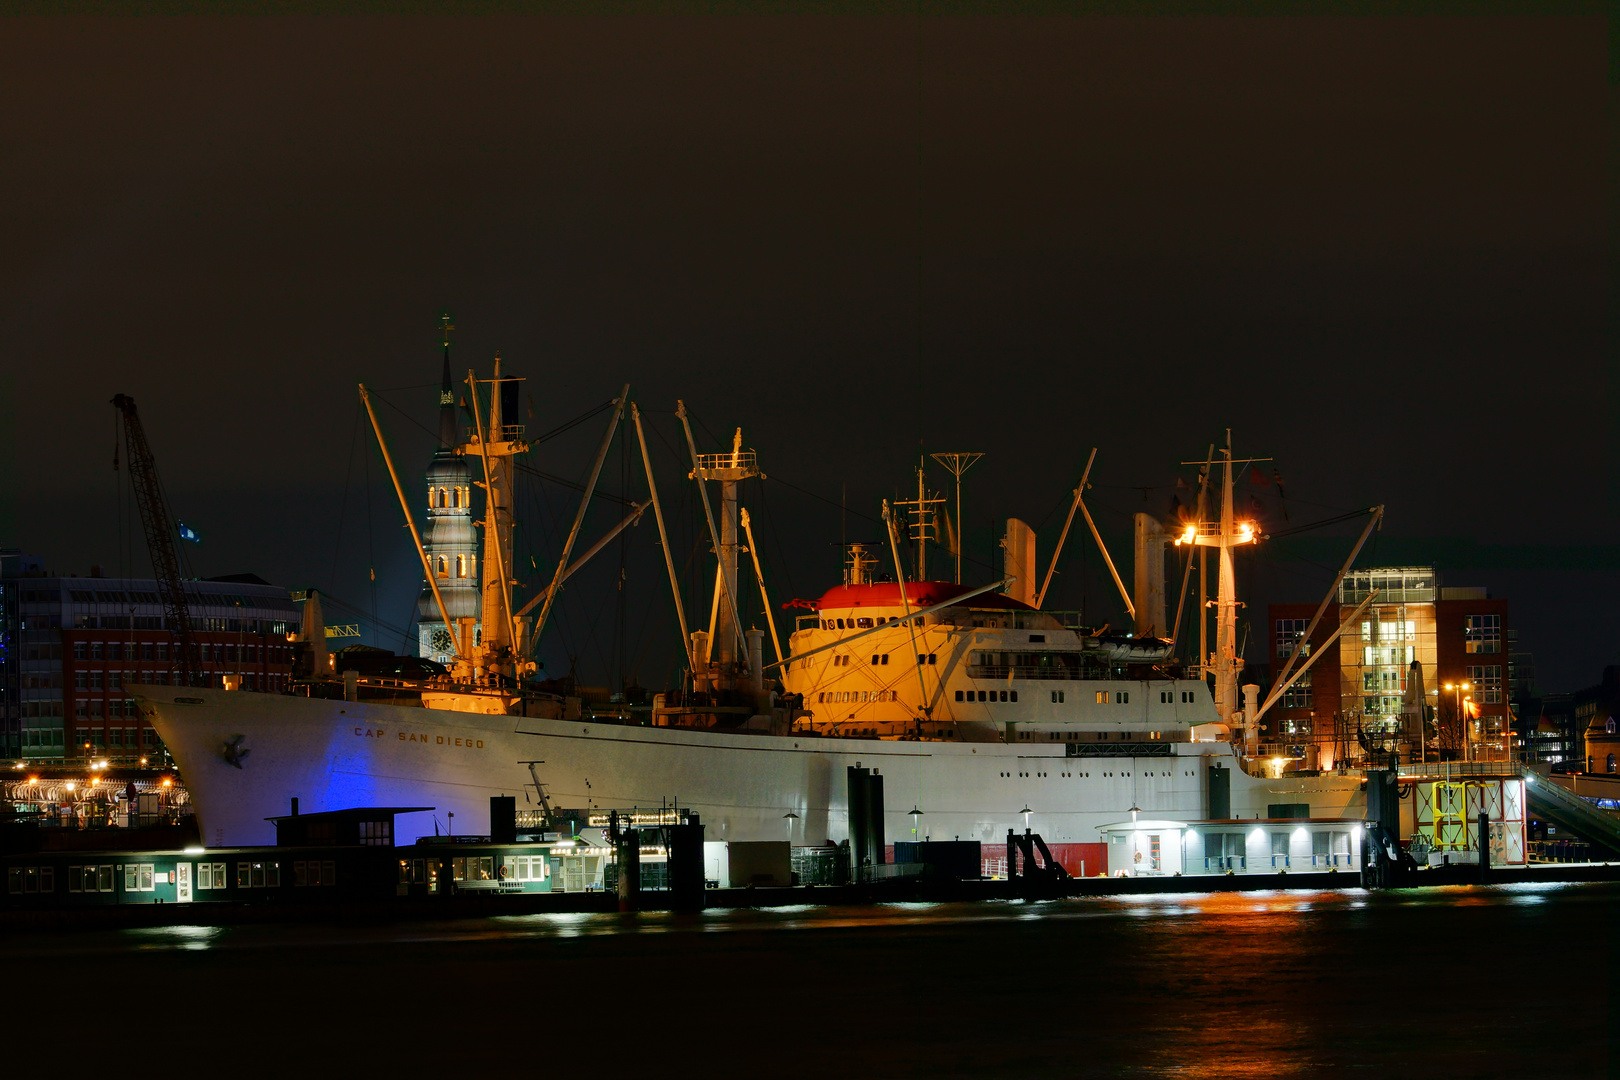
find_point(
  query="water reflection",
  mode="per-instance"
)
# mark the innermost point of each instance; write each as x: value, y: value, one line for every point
x: 1286, y: 982
x: 185, y: 938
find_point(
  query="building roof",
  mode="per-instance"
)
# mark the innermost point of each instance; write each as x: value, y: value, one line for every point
x: 353, y: 813
x: 1138, y: 826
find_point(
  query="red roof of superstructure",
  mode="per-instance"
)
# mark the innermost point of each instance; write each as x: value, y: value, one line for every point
x: 919, y: 594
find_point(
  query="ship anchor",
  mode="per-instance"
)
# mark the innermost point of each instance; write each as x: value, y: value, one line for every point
x: 233, y: 752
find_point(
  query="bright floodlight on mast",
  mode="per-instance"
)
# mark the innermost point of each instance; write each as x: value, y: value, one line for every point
x: 956, y: 463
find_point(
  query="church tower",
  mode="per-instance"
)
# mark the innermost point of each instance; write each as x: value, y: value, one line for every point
x: 450, y: 540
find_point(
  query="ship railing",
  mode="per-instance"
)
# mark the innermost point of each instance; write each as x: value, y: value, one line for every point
x: 742, y: 459
x: 1440, y: 770
x: 1003, y: 619
x: 1552, y: 851
x: 987, y: 671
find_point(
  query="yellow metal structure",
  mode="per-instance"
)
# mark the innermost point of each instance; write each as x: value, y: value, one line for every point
x: 1450, y: 802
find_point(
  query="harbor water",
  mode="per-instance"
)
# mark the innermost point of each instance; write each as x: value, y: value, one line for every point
x: 1506, y: 981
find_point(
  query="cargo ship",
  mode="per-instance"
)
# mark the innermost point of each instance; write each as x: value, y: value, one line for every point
x: 982, y: 711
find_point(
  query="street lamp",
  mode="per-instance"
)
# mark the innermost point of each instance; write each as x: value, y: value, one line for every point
x: 1026, y: 811
x: 914, y: 814
x: 1462, y: 717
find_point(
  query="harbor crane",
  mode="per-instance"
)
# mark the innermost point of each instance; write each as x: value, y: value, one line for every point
x: 160, y: 535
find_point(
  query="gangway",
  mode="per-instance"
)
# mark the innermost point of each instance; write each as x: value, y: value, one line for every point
x: 1545, y: 799
x: 1569, y: 811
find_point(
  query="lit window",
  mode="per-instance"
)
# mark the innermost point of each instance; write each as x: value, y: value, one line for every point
x: 444, y: 566
x: 1482, y: 634
x: 1487, y: 680
x: 1289, y: 632
x: 1298, y: 696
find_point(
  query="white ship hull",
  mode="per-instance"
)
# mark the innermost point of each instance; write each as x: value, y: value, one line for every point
x: 338, y: 754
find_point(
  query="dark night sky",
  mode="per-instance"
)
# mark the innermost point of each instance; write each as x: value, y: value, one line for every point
x: 1377, y: 249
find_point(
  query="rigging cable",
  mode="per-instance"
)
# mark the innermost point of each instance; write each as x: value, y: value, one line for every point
x: 343, y: 506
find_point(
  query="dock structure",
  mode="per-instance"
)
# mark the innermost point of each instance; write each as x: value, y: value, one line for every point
x: 1464, y: 827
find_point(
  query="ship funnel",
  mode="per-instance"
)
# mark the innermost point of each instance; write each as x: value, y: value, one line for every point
x: 1149, y: 592
x: 1018, y: 561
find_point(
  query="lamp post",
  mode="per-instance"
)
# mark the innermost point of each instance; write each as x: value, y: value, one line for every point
x: 914, y: 814
x: 1462, y: 717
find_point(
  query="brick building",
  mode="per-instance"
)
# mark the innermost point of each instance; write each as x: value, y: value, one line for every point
x: 1361, y: 682
x: 70, y: 647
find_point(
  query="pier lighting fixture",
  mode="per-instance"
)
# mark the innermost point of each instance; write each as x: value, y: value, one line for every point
x: 789, y: 818
x: 194, y: 850
x: 167, y: 781
x: 71, y: 785
x: 1026, y: 811
x: 914, y: 813
x: 1134, y: 811
x: 1188, y: 536
x: 33, y: 779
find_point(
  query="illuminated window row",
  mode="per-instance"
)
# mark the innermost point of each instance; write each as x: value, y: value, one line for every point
x: 865, y: 623
x: 838, y: 697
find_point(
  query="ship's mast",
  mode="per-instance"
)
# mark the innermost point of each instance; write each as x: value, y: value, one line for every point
x: 727, y: 649
x: 496, y: 441
x: 922, y: 510
x: 1224, y: 535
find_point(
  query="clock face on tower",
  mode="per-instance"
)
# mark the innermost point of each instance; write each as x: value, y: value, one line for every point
x: 442, y: 641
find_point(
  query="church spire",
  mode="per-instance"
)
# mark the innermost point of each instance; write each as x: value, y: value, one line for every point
x: 447, y: 393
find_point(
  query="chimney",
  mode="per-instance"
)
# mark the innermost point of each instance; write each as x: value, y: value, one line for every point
x: 1018, y: 561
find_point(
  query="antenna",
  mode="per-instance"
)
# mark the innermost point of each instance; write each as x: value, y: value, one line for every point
x: 922, y: 527
x: 956, y: 463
